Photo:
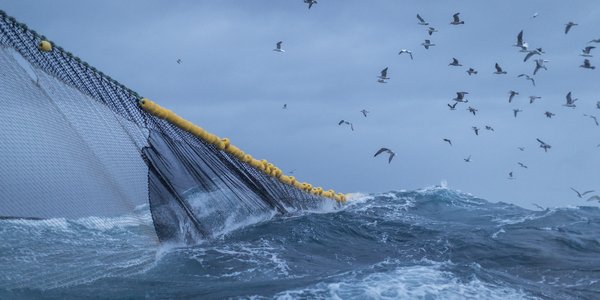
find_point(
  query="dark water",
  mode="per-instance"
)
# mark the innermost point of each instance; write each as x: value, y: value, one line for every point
x: 429, y: 244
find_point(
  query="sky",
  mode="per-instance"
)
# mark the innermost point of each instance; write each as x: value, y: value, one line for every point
x: 231, y: 83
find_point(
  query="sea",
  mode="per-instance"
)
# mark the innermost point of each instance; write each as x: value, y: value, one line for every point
x: 431, y: 243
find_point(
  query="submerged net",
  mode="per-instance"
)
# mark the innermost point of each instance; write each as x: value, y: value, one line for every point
x: 75, y: 143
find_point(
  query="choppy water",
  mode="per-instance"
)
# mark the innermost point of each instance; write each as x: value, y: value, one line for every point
x: 428, y: 244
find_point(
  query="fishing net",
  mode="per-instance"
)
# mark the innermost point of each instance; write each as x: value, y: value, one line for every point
x: 76, y: 143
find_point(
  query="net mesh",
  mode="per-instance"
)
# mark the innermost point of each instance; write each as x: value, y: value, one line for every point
x: 75, y: 143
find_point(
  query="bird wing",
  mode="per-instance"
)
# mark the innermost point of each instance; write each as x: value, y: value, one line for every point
x: 569, y: 99
x: 351, y: 126
x: 381, y: 151
x: 384, y: 72
x: 420, y: 19
x: 520, y: 38
x: 541, y: 142
x: 529, y: 55
x: 279, y: 45
x: 586, y: 192
x: 454, y: 60
x: 595, y: 197
x: 578, y: 193
x: 498, y: 67
x: 456, y: 18
x: 410, y: 53
x: 341, y: 122
x: 567, y: 28
x: 392, y: 154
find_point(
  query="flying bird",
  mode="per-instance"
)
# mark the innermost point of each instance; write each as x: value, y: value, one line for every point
x: 278, y: 47
x: 539, y: 64
x: 587, y: 64
x: 406, y: 51
x: 388, y: 151
x: 512, y: 94
x: 510, y: 175
x: 489, y: 128
x: 535, y: 15
x: 427, y: 44
x: 544, y: 145
x: 585, y: 52
x: 310, y: 3
x: 460, y: 97
x: 471, y: 71
x: 455, y: 63
x: 594, y: 41
x: 593, y: 118
x: 284, y: 106
x: 476, y: 130
x: 568, y: 26
x: 179, y: 61
x: 570, y: 101
x: 531, y: 53
x: 468, y: 159
x: 431, y: 30
x: 527, y: 77
x: 421, y: 20
x: 580, y: 195
x: 347, y: 123
x: 472, y: 110
x: 521, y: 148
x: 549, y: 115
x: 516, y: 111
x: 456, y: 20
x: 533, y: 98
x: 499, y: 69
x: 364, y: 112
x: 448, y: 141
x: 383, y: 76
x: 522, y: 165
x: 453, y: 106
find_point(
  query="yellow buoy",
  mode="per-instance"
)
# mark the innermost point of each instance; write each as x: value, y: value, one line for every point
x: 45, y: 46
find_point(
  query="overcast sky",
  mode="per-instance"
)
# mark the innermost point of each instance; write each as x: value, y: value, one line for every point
x: 230, y: 82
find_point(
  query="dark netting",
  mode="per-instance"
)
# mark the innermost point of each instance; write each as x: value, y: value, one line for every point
x: 116, y: 154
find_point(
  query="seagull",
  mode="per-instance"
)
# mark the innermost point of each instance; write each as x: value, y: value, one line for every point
x: 535, y: 15
x: 455, y: 63
x: 460, y: 97
x: 427, y: 44
x: 489, y: 128
x: 310, y: 3
x: 527, y: 77
x: 568, y: 26
x: 593, y: 118
x: 448, y: 141
x: 476, y: 130
x: 587, y: 65
x: 179, y: 61
x: 390, y: 152
x: 516, y: 111
x: 585, y: 52
x: 453, y: 106
x: 544, y: 145
x: 510, y: 175
x: 364, y: 112
x: 594, y: 41
x: 406, y: 51
x: 533, y: 98
x: 521, y: 148
x: 580, y: 195
x: 512, y: 94
x: 383, y: 76
x: 570, y: 101
x: 472, y: 110
x: 284, y: 106
x: 468, y: 159
x: 347, y: 123
x: 522, y: 165
x: 549, y: 115
x: 531, y: 53
x: 456, y: 20
x: 278, y: 49
x: 471, y: 71
x: 499, y: 70
x: 421, y: 21
x: 539, y: 64
x: 431, y: 30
